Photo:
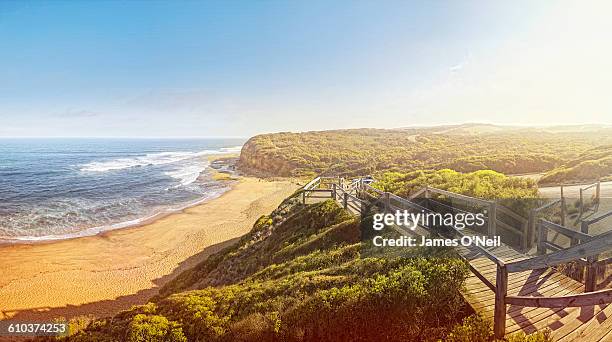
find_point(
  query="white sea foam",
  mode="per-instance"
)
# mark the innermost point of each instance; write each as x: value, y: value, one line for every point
x: 187, y: 174
x: 160, y: 158
x: 234, y: 149
x: 125, y: 224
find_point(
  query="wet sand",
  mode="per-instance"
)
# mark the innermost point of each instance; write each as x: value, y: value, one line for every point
x: 100, y: 275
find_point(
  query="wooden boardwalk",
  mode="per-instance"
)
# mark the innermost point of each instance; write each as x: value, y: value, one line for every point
x: 587, y: 323
x: 518, y: 292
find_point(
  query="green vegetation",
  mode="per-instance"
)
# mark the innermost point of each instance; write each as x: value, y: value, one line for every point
x: 465, y: 148
x: 474, y: 328
x: 590, y: 166
x: 300, y: 275
x: 482, y: 184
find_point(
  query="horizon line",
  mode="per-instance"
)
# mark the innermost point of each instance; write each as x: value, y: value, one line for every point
x: 121, y: 137
x: 515, y: 125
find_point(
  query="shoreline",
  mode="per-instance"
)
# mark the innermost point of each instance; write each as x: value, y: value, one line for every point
x: 102, y: 274
x: 137, y: 222
x: 101, y: 230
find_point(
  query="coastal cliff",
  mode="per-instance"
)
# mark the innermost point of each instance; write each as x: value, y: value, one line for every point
x: 257, y: 157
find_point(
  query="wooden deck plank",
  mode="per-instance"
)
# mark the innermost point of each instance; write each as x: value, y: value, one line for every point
x: 518, y: 315
x: 594, y: 330
x: 536, y: 285
x: 566, y: 325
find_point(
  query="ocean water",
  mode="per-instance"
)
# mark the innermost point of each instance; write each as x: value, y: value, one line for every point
x: 62, y: 188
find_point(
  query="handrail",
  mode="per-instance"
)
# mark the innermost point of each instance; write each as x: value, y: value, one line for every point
x: 417, y: 194
x: 311, y: 183
x: 369, y: 187
x: 548, y: 205
x: 599, y: 244
x: 509, y: 227
x: 583, y: 299
x: 598, y: 218
x: 566, y: 231
x: 450, y: 206
x: 482, y: 278
x: 553, y: 246
x: 484, y: 251
x: 352, y: 197
x: 512, y: 214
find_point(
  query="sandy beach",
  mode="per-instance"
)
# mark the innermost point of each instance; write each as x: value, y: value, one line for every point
x: 103, y: 274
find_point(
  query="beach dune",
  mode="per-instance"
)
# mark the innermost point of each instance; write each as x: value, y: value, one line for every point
x: 101, y: 275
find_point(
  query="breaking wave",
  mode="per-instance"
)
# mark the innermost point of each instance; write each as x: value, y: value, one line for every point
x: 160, y: 158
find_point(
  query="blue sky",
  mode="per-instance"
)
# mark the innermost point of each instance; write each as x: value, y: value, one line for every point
x: 238, y: 68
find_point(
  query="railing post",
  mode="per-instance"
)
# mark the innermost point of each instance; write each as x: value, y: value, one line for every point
x: 542, y: 237
x: 334, y: 191
x: 584, y: 227
x: 387, y: 202
x: 361, y: 208
x: 492, y: 218
x: 501, y: 291
x: 345, y: 200
x: 303, y: 196
x: 597, y: 194
x: 563, y: 209
x: 524, y: 237
x: 531, y: 229
x: 581, y: 204
x: 590, y: 279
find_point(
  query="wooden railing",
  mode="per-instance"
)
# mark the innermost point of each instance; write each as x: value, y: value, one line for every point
x: 595, y: 198
x: 317, y: 188
x: 544, y: 244
x: 591, y: 263
x: 584, y: 248
x: 534, y: 215
x: 584, y: 225
x: 587, y: 248
x: 335, y: 188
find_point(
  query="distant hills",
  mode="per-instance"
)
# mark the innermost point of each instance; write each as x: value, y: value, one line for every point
x: 593, y: 164
x: 465, y: 148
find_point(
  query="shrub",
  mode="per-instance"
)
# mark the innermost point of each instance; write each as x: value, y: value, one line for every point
x: 473, y: 329
x: 154, y: 328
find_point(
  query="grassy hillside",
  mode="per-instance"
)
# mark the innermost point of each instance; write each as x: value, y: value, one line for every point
x: 300, y: 275
x: 463, y: 148
x: 482, y: 184
x: 590, y: 166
